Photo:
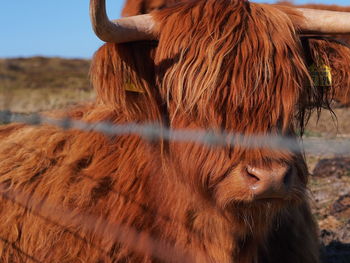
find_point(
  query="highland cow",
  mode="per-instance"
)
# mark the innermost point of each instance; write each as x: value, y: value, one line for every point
x: 75, y: 196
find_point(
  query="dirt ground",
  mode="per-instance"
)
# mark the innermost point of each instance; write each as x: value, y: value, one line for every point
x: 330, y: 186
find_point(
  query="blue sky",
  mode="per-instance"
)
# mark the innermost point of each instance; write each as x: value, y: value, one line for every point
x: 60, y: 27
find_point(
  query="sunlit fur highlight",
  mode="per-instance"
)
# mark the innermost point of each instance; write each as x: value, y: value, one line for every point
x: 203, y: 78
x: 248, y: 77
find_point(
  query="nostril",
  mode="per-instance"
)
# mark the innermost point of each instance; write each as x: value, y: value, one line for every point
x: 251, y: 176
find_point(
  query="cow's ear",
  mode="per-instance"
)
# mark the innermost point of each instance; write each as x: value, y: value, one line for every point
x: 329, y: 52
x: 331, y: 57
x: 123, y: 78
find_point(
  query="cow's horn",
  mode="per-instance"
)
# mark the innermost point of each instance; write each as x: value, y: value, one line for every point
x: 122, y: 30
x: 325, y: 22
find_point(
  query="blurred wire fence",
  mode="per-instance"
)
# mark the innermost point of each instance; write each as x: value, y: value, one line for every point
x: 318, y: 146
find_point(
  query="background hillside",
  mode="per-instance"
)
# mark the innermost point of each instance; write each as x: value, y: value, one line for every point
x: 40, y: 83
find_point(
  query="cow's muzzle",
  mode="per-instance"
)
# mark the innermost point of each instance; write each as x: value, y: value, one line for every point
x: 274, y: 182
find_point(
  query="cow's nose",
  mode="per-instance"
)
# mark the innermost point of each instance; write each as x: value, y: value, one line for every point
x: 273, y: 182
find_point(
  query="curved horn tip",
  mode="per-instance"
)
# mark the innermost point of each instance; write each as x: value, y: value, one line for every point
x: 135, y: 28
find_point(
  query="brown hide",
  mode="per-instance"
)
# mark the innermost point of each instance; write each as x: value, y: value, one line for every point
x: 138, y: 7
x: 74, y: 196
x: 334, y: 53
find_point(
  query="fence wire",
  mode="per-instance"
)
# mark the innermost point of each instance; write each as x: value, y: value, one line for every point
x: 316, y: 146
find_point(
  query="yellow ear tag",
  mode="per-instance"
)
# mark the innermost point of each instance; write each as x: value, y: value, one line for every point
x: 321, y: 75
x: 132, y: 87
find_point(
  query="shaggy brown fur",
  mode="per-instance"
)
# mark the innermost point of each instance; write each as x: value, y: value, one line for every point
x: 330, y: 50
x: 138, y: 7
x: 73, y: 196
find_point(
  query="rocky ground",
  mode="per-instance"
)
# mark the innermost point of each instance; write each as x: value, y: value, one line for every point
x: 330, y: 187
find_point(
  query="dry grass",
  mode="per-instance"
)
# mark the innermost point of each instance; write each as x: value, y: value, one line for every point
x: 39, y: 84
